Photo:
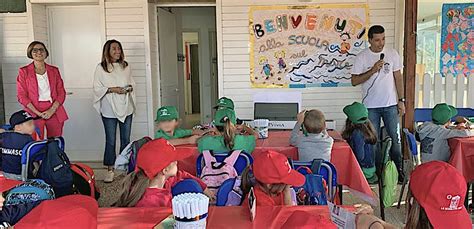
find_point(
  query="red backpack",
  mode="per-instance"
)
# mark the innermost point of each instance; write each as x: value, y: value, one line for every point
x: 84, y: 180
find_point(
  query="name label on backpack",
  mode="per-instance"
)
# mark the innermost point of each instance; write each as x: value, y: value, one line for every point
x: 58, y: 167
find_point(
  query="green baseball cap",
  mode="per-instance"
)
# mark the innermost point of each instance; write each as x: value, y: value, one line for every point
x: 166, y: 113
x: 357, y: 113
x: 222, y: 115
x: 442, y: 113
x: 224, y: 102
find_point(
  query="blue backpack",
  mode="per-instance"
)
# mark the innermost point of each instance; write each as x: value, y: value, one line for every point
x: 55, y: 169
x: 136, y: 145
x: 31, y: 191
x: 313, y: 191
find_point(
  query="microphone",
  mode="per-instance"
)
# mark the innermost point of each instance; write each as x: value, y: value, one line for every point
x: 382, y: 55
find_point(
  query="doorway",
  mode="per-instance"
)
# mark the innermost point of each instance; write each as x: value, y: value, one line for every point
x: 188, y: 33
x: 77, y: 55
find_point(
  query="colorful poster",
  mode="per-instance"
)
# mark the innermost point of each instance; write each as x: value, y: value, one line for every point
x: 457, y: 39
x: 305, y: 46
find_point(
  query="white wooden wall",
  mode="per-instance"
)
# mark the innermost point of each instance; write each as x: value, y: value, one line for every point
x: 235, y: 53
x: 13, y: 42
x: 125, y: 22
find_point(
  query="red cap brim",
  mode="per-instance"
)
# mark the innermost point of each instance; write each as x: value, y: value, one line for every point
x: 294, y: 178
x: 449, y: 219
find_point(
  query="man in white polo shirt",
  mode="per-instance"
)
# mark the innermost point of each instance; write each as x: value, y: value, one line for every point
x: 377, y: 68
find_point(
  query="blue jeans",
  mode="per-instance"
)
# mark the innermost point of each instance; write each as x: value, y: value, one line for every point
x: 392, y: 125
x: 110, y: 126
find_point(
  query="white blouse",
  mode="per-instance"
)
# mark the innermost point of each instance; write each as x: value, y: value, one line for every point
x: 44, y: 90
x: 112, y: 105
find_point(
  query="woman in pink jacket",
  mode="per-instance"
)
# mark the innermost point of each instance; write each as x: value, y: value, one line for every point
x: 41, y: 91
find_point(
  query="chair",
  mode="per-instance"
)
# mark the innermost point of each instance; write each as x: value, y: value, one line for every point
x: 242, y: 162
x: 223, y: 192
x: 386, y: 145
x: 326, y: 170
x: 30, y: 151
x: 412, y: 147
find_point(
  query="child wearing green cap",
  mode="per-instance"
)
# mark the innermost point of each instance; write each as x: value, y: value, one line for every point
x: 361, y: 136
x: 167, y: 121
x: 434, y: 135
x: 226, y: 137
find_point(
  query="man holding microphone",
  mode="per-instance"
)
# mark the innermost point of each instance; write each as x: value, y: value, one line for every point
x: 377, y: 68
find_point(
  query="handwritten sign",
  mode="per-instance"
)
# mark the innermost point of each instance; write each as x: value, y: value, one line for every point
x: 457, y: 39
x: 305, y: 46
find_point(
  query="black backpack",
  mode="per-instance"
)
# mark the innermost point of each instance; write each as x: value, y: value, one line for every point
x: 55, y: 169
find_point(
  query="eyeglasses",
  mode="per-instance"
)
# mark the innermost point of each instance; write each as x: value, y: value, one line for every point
x: 36, y: 50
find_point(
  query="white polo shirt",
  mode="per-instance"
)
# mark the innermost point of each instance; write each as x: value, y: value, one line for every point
x: 380, y: 89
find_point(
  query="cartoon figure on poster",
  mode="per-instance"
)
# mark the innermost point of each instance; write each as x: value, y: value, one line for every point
x: 457, y: 39
x: 310, y: 46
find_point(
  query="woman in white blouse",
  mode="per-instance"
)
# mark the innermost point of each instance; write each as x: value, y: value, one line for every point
x: 114, y: 100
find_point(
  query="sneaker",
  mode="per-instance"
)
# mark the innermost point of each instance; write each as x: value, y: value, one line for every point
x: 109, y: 177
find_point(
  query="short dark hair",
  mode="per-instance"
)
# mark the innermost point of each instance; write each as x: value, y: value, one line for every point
x: 375, y: 29
x: 29, y: 50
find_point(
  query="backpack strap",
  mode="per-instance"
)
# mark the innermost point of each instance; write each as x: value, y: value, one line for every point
x: 232, y: 158
x: 208, y: 158
x: 316, y: 165
x: 308, y: 170
x: 85, y: 168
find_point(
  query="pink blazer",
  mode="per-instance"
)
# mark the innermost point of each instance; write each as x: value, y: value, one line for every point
x: 27, y: 88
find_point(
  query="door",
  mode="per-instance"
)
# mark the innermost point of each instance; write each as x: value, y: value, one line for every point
x: 195, y: 85
x: 168, y: 50
x: 75, y: 47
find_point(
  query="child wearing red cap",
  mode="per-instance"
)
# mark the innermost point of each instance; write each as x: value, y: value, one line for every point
x: 11, y: 214
x: 435, y: 200
x: 156, y: 173
x: 274, y: 179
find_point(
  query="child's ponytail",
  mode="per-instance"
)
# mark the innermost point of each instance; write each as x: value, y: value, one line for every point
x: 134, y: 186
x: 229, y: 133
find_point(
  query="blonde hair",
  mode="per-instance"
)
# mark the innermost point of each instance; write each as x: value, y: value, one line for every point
x: 133, y: 186
x: 229, y: 131
x: 416, y: 218
x: 314, y: 121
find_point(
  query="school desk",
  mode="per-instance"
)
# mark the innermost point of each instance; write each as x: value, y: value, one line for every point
x: 349, y: 172
x: 462, y: 156
x: 219, y: 217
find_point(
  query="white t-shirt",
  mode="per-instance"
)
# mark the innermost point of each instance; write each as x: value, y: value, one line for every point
x: 44, y: 90
x: 380, y: 89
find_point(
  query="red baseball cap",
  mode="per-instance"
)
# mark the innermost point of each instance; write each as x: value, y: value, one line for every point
x: 271, y: 167
x: 73, y: 211
x: 7, y: 184
x: 305, y: 220
x: 156, y: 155
x: 440, y: 189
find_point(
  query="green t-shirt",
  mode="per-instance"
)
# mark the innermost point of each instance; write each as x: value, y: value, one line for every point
x: 178, y: 133
x: 216, y: 143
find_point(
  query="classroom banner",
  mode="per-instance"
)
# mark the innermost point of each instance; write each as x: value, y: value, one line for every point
x: 305, y: 46
x: 457, y: 39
